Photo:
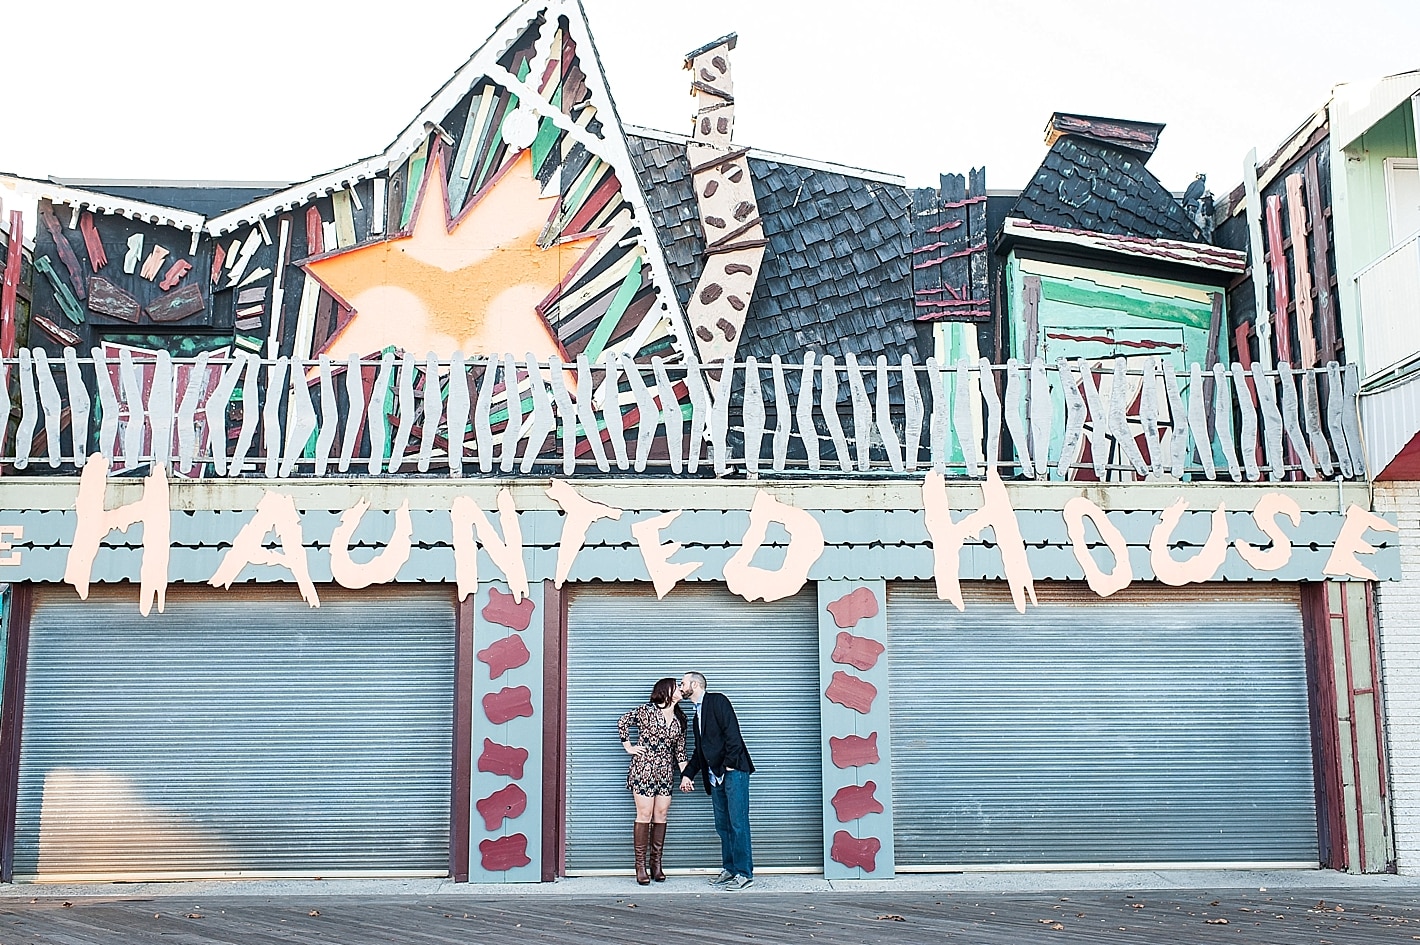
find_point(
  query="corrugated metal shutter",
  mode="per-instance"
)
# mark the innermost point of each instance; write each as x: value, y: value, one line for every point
x: 763, y: 656
x: 239, y: 732
x: 1159, y: 725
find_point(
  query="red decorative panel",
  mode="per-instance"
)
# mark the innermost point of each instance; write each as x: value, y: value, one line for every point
x: 853, y: 607
x: 859, y: 652
x: 505, y: 654
x: 506, y: 612
x: 855, y: 853
x: 852, y: 802
x: 507, y: 704
x: 852, y: 751
x: 503, y: 760
x: 851, y: 692
x: 505, y: 853
x: 503, y: 804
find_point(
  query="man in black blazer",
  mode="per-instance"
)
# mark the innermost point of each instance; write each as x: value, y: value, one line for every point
x: 722, y: 761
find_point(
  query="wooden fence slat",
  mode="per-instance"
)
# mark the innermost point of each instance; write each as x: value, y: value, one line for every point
x: 216, y: 408
x: 891, y: 445
x: 611, y: 412
x: 699, y: 414
x: 1335, y: 401
x: 829, y: 407
x: 753, y: 411
x: 912, y: 404
x: 1247, y: 414
x: 162, y: 405
x: 355, y: 410
x: 329, y: 411
x: 543, y: 420
x: 1350, y: 423
x: 586, y: 414
x: 720, y: 419
x: 1119, y: 419
x: 271, y: 414
x: 1014, y: 422
x: 49, y: 405
x: 966, y: 435
x: 1099, y: 419
x: 941, y: 423
x: 458, y: 407
x: 1149, y: 414
x: 433, y: 412
x: 300, y: 420
x: 187, y: 414
x: 482, y: 415
x: 513, y: 427
x: 568, y: 414
x: 404, y: 401
x: 79, y: 404
x: 6, y: 406
x: 1074, y: 444
x: 1271, y: 422
x: 132, y: 398
x: 647, y: 413
x: 1042, y: 418
x: 1291, y: 419
x: 1178, y: 422
x: 671, y: 415
x: 1198, y: 420
x: 783, y: 415
x: 377, y: 413
x: 1223, y: 419
x: 1311, y: 412
x: 251, y: 410
x: 862, y: 412
x: 804, y: 412
x: 987, y: 379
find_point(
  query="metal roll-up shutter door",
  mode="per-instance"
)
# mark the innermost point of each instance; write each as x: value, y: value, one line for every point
x: 764, y: 656
x: 1158, y: 725
x: 238, y: 732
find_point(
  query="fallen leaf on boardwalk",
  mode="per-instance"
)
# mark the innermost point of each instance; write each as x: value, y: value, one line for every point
x: 1215, y: 921
x: 889, y: 917
x: 1051, y: 923
x: 66, y: 904
x: 1213, y: 903
x: 313, y: 912
x: 195, y: 915
x: 1136, y: 905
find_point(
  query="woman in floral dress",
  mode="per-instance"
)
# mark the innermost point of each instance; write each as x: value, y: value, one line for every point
x: 657, y: 759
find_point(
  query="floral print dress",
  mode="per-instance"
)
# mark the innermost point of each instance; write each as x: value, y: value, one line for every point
x: 656, y: 770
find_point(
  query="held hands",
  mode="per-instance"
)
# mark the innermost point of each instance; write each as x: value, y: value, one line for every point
x: 685, y: 785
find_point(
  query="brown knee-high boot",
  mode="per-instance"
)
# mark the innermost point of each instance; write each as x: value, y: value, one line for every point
x: 658, y: 847
x: 643, y: 832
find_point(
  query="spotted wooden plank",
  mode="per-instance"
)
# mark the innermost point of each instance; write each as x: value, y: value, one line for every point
x: 1271, y: 421
x: 829, y: 407
x: 611, y: 412
x: 271, y: 414
x: 433, y: 412
x: 992, y: 400
x: 891, y: 445
x: 216, y: 408
x: 79, y: 403
x: 1291, y: 419
x: 1198, y: 420
x: 376, y: 418
x: 1311, y: 413
x: 1223, y: 419
x: 300, y: 420
x: 913, y: 412
x: 804, y: 412
x: 862, y: 412
x: 941, y: 424
x: 543, y: 421
x: 1042, y: 418
x: 586, y: 415
x: 1099, y: 419
x: 482, y: 413
x: 354, y: 411
x: 329, y: 412
x: 1074, y: 439
x: 567, y: 413
x: 457, y: 409
x: 49, y: 405
x: 753, y: 412
x: 1350, y: 423
x: 699, y: 412
x: 405, y: 407
x: 1335, y: 401
x: 966, y: 435
x: 1119, y: 421
x: 251, y: 410
x: 133, y: 400
x: 1014, y: 422
x: 671, y: 415
x: 513, y: 428
x: 783, y: 416
x: 1178, y: 421
x: 1149, y: 414
x: 720, y: 418
x: 1247, y: 420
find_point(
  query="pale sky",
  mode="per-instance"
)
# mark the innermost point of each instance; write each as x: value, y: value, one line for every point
x: 283, y: 91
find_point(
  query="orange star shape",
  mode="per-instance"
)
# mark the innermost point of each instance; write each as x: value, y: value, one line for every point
x: 469, y: 286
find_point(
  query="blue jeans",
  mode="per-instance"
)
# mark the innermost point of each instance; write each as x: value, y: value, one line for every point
x: 730, y: 799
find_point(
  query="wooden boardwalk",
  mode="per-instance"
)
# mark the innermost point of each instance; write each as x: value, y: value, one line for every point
x: 1238, y: 917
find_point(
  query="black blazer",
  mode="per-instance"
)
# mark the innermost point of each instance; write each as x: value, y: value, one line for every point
x: 718, y: 743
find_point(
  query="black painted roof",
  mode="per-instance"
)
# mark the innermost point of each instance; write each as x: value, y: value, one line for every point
x: 1089, y: 185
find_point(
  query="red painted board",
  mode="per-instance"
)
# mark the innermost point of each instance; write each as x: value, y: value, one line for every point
x: 854, y: 801
x: 11, y: 284
x: 1281, y: 292
x: 95, y: 246
x: 505, y: 654
x: 315, y: 236
x: 503, y: 760
x: 174, y: 274
x: 854, y: 751
x: 62, y: 335
x: 853, y: 607
x: 851, y: 692
x: 859, y: 652
x: 61, y: 245
x: 505, y: 853
x: 855, y: 853
x: 507, y: 704
x: 175, y: 306
x: 108, y: 299
x: 219, y: 256
x: 503, y: 610
x: 503, y: 804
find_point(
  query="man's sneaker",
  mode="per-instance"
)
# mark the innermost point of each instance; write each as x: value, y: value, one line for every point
x: 742, y: 882
x: 724, y: 878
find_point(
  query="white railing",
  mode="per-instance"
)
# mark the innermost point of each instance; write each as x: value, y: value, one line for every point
x: 401, y: 415
x: 1389, y: 293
